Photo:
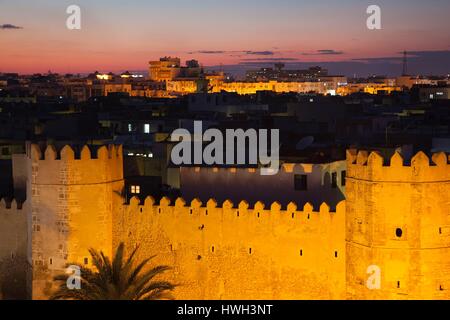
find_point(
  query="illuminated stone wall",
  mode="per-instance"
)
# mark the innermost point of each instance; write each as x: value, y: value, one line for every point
x: 71, y: 207
x: 239, y: 251
x: 398, y: 218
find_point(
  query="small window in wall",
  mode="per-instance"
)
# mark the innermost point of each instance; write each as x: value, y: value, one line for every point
x: 135, y: 189
x: 130, y: 127
x: 301, y: 253
x: 86, y: 260
x: 398, y: 232
x: 335, y: 254
x: 147, y: 128
x: 398, y: 284
x: 334, y: 180
x: 51, y: 261
x: 343, y: 176
x: 301, y: 182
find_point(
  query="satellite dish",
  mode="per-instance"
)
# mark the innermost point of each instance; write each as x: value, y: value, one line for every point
x: 304, y: 143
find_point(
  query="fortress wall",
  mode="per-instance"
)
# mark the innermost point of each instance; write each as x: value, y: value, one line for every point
x: 13, y: 230
x: 398, y: 218
x: 14, y: 248
x: 240, y: 252
x: 233, y: 183
x: 395, y: 216
x: 72, y: 201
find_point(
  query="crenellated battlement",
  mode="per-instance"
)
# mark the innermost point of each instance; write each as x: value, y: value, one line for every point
x: 109, y: 152
x: 215, y: 243
x: 284, y: 168
x: 243, y: 209
x: 362, y: 165
x: 70, y: 165
x: 11, y: 205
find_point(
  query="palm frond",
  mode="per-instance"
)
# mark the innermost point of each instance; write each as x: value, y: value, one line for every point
x: 119, y: 279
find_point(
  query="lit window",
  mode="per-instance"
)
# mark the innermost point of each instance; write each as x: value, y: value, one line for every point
x: 130, y: 127
x: 147, y: 128
x: 135, y: 189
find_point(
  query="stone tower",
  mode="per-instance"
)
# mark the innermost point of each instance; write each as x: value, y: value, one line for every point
x: 71, y: 200
x: 397, y: 227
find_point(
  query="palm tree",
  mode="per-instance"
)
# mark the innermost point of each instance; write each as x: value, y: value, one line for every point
x: 116, y: 280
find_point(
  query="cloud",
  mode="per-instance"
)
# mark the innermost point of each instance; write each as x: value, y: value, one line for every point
x: 7, y: 26
x: 235, y: 52
x: 266, y: 60
x: 208, y: 52
x: 329, y: 51
x: 443, y: 55
x: 379, y: 60
x: 260, y: 53
x: 323, y: 52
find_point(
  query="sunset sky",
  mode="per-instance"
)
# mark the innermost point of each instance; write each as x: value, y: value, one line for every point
x: 124, y: 35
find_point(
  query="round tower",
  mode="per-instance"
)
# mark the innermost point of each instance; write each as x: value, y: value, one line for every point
x: 397, y: 227
x: 72, y: 200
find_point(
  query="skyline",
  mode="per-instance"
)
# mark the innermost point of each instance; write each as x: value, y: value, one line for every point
x: 259, y: 34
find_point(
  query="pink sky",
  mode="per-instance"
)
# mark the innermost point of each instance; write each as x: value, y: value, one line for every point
x: 118, y: 36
